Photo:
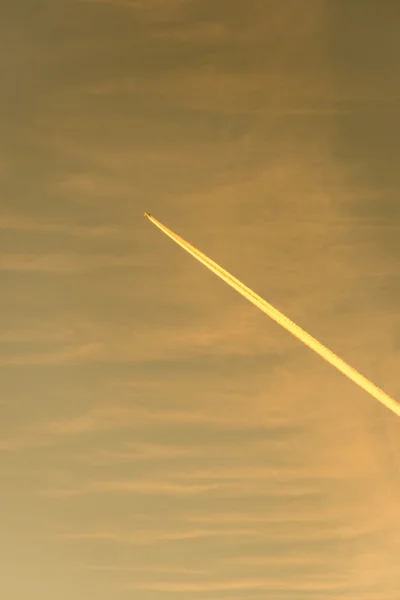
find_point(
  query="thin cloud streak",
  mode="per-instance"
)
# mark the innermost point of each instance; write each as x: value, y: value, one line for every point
x: 162, y: 488
x: 13, y: 221
x: 140, y: 537
x: 153, y: 569
x: 59, y: 264
x: 311, y: 584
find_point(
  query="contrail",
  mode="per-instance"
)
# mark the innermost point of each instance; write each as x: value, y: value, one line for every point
x: 281, y: 319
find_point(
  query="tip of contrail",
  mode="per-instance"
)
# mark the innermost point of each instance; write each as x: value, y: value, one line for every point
x: 146, y: 214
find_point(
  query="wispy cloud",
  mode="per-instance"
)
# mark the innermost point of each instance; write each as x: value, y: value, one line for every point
x: 153, y: 569
x: 222, y: 458
x: 71, y: 353
x: 148, y: 487
x: 228, y: 93
x: 141, y: 536
x: 60, y: 264
x: 303, y: 583
x: 114, y: 417
x: 151, y: 9
x: 25, y: 222
x: 146, y: 452
x: 122, y: 416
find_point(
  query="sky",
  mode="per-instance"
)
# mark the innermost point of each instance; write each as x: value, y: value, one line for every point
x: 159, y: 437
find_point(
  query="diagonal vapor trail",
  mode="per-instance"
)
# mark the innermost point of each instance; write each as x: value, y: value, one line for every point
x: 282, y: 320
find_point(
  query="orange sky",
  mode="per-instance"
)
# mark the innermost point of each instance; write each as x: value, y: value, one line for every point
x: 159, y: 436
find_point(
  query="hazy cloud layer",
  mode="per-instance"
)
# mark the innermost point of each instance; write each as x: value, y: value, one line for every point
x: 168, y: 439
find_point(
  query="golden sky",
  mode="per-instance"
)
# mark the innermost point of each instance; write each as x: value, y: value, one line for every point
x: 159, y: 437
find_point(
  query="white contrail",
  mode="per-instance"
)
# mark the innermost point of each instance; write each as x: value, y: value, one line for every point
x: 274, y: 313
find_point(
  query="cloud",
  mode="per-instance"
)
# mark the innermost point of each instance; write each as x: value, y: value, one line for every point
x: 199, y: 430
x: 309, y: 583
x: 146, y: 487
x: 24, y: 222
x: 155, y: 10
x: 261, y: 24
x: 86, y: 187
x: 118, y: 417
x: 140, y: 536
x: 287, y: 560
x: 71, y: 354
x: 61, y: 264
x: 113, y: 417
x: 167, y: 570
x: 227, y: 93
x: 295, y: 532
x: 37, y: 331
x: 133, y: 452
